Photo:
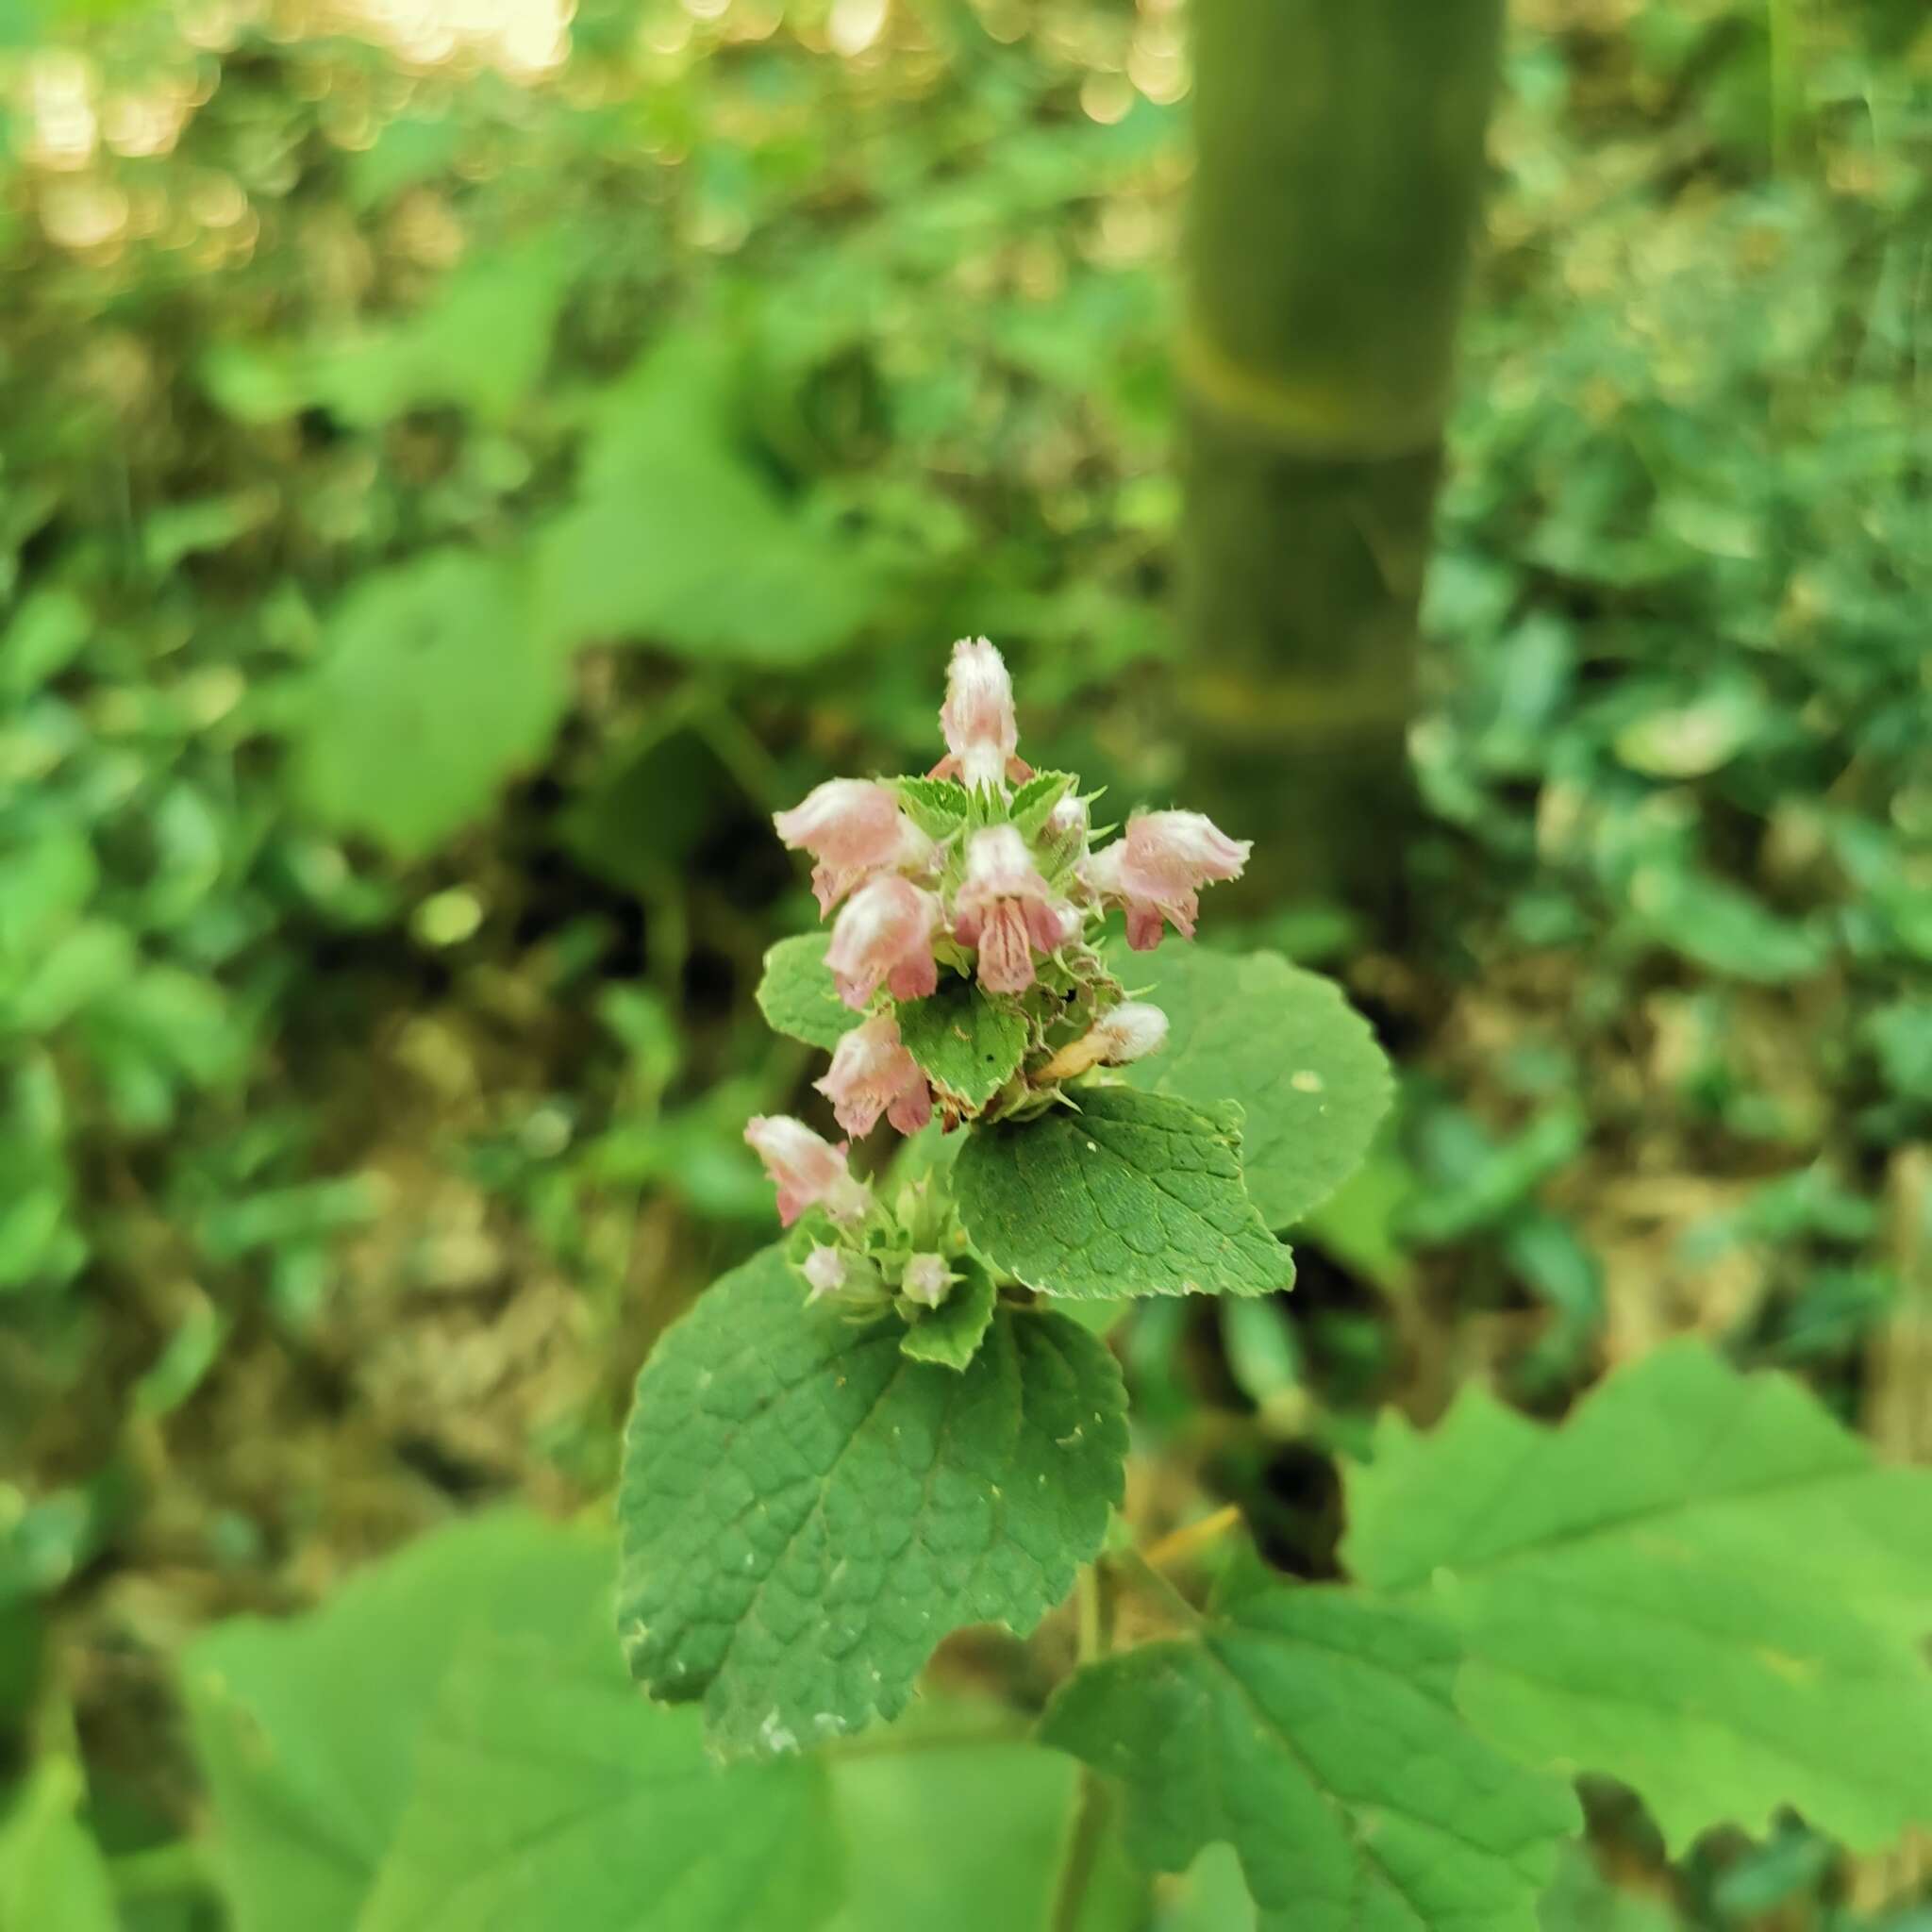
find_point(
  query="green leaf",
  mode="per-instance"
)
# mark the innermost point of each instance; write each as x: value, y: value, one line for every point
x: 796, y: 994
x: 52, y: 1875
x: 549, y: 1795
x: 1316, y: 1734
x: 804, y: 1512
x: 682, y: 538
x: 939, y: 807
x: 432, y: 691
x: 1134, y: 1194
x: 949, y: 1334
x: 1034, y: 801
x: 1699, y: 1585
x: 1303, y: 1063
x: 966, y: 1042
x: 307, y: 1731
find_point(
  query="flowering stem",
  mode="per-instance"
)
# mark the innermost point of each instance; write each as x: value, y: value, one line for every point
x: 1093, y: 1807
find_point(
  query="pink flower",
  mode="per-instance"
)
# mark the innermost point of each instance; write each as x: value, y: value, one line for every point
x: 981, y: 727
x: 872, y: 1074
x: 1005, y: 908
x: 884, y: 932
x: 809, y: 1172
x: 1156, y: 870
x: 854, y: 828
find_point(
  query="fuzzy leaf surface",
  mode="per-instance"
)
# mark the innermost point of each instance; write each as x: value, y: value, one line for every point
x: 804, y: 1511
x: 1135, y: 1194
x: 965, y: 1042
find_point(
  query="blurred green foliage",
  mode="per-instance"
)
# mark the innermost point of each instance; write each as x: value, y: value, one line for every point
x: 448, y: 497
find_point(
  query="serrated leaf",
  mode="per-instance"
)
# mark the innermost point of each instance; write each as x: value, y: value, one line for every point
x: 1135, y: 1194
x: 949, y: 1334
x: 804, y: 1512
x: 432, y: 690
x: 966, y: 1042
x: 796, y: 994
x: 308, y: 1783
x: 548, y: 1795
x: 1700, y: 1584
x: 1034, y: 801
x: 1285, y: 1044
x: 939, y: 807
x: 1317, y: 1733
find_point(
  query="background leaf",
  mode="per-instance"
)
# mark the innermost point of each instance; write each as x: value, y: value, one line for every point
x: 432, y: 690
x: 1700, y: 1584
x: 1316, y: 1734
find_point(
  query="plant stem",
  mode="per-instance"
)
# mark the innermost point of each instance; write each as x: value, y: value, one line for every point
x: 1095, y: 1602
x: 1090, y: 1817
x: 1194, y: 1537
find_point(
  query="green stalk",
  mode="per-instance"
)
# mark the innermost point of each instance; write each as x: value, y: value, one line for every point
x: 1340, y: 165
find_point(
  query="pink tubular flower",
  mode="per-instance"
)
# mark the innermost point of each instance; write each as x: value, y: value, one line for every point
x: 884, y: 932
x: 1005, y: 910
x: 872, y: 1074
x: 809, y: 1172
x: 854, y: 828
x: 981, y: 727
x: 1157, y: 868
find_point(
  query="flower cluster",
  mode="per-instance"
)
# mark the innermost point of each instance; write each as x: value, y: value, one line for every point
x: 979, y: 881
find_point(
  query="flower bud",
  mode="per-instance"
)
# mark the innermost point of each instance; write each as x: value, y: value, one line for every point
x: 981, y: 728
x: 808, y: 1171
x: 1130, y: 1032
x: 872, y: 1074
x: 1155, y: 869
x: 1005, y: 908
x: 884, y: 933
x: 854, y: 828
x: 927, y: 1280
x: 825, y: 1270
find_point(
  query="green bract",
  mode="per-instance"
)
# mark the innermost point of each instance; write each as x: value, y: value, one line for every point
x: 805, y: 1511
x: 1134, y: 1194
x: 967, y: 1044
x: 796, y: 994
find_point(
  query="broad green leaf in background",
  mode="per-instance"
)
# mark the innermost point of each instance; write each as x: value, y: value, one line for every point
x: 682, y: 538
x: 307, y: 1731
x: 1316, y: 1734
x: 796, y: 994
x: 804, y: 1511
x: 549, y: 1795
x: 1700, y: 1584
x: 951, y: 1333
x: 1284, y: 1043
x: 1133, y: 1194
x: 480, y: 344
x: 52, y: 1875
x: 967, y: 1042
x: 432, y: 690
